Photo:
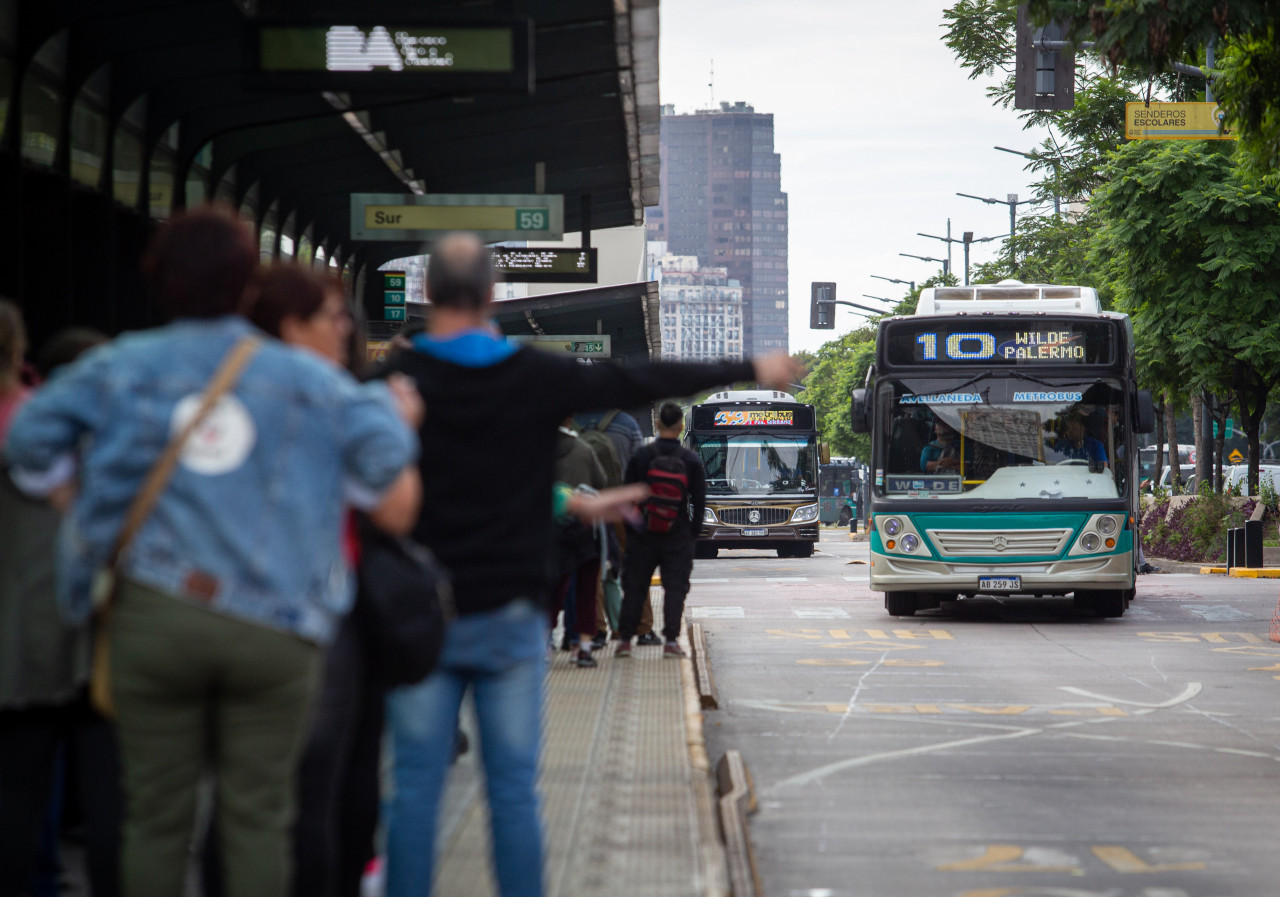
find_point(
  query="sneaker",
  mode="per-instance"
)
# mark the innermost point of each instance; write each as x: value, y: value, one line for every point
x: 673, y: 649
x: 1148, y: 568
x: 649, y: 638
x: 622, y: 648
x: 584, y: 659
x: 600, y: 639
x: 568, y: 642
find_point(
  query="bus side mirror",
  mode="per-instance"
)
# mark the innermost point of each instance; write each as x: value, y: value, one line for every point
x: 1146, y: 412
x: 859, y: 420
x: 824, y: 453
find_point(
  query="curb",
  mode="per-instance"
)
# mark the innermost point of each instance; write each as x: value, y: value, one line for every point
x: 710, y: 847
x: 737, y: 800
x: 707, y: 694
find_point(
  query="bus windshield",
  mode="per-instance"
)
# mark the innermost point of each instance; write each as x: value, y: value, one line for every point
x: 756, y: 463
x: 1001, y: 437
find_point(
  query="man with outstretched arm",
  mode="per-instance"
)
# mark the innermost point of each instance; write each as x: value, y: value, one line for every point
x: 489, y: 441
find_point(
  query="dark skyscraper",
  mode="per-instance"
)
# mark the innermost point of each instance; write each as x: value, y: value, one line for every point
x: 722, y: 201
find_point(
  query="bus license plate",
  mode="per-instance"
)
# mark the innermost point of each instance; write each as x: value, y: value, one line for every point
x: 755, y: 532
x: 999, y: 583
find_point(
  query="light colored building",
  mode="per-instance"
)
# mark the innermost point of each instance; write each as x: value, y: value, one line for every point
x: 700, y: 310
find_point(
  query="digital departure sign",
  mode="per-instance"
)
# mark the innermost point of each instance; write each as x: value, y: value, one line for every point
x: 392, y: 55
x: 546, y: 265
x: 994, y: 343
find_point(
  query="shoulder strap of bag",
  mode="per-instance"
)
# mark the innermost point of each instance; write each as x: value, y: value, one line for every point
x: 603, y: 423
x: 224, y: 378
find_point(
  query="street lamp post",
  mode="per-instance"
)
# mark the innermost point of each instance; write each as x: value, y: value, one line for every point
x: 911, y: 283
x: 1012, y: 202
x: 1057, y: 175
x: 946, y: 265
x: 967, y: 240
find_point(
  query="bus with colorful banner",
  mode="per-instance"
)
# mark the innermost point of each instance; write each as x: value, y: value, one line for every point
x: 1005, y: 424
x: 760, y: 451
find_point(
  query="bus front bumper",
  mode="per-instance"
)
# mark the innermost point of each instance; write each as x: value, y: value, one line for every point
x: 892, y: 573
x: 723, y: 535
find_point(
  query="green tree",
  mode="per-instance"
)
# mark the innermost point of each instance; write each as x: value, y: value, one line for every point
x: 1150, y: 35
x: 841, y: 367
x: 1192, y: 251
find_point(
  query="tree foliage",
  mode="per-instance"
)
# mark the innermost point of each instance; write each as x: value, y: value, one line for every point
x: 1192, y: 250
x: 1149, y: 35
x: 841, y: 367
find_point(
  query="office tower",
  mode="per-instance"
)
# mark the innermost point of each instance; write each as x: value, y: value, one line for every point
x: 701, y: 310
x: 722, y: 201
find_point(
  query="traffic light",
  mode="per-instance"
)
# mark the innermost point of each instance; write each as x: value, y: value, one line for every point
x: 822, y: 315
x: 1044, y: 68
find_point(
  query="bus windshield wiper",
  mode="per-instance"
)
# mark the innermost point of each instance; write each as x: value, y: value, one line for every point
x: 1019, y: 375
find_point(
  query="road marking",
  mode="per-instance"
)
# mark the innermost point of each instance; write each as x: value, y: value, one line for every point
x: 786, y: 579
x: 695, y: 582
x: 854, y: 662
x: 855, y: 579
x: 1217, y: 638
x: 1124, y: 860
x: 820, y: 613
x: 1217, y: 613
x: 1188, y: 693
x: 1001, y: 858
x: 712, y: 612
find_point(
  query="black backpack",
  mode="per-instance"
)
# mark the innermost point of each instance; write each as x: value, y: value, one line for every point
x: 668, y: 480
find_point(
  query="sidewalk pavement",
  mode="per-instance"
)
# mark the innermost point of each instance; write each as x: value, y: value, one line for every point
x: 627, y: 794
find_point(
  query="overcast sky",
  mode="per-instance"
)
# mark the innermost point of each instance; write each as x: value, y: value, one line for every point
x: 877, y: 126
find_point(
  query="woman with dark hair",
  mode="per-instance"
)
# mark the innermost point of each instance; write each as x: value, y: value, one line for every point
x: 236, y: 578
x: 338, y: 788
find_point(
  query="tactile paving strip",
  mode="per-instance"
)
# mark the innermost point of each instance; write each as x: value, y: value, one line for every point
x: 618, y: 807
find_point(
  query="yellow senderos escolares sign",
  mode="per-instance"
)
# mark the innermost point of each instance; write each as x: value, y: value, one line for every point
x: 1174, y: 121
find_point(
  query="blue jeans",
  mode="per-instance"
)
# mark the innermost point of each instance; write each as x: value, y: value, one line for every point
x: 501, y: 655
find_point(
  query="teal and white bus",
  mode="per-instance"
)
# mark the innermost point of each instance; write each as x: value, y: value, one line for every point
x: 1004, y: 424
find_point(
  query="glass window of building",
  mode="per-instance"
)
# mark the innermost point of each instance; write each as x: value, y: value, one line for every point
x: 198, y: 175
x: 42, y: 102
x: 160, y: 180
x: 126, y: 172
x: 267, y: 235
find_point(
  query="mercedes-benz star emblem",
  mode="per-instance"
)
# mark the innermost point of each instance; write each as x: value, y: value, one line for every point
x: 999, y: 543
x: 754, y: 516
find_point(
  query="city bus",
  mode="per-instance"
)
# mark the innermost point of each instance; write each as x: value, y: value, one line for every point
x: 1005, y: 422
x: 760, y: 451
x: 839, y: 490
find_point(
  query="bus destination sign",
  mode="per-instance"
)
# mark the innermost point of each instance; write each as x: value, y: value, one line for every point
x: 546, y: 265
x: 950, y: 342
x: 740, y: 417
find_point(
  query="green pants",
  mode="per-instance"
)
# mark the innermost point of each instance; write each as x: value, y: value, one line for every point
x: 197, y: 691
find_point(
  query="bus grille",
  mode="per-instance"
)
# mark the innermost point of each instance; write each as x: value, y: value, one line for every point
x: 998, y: 543
x: 739, y: 516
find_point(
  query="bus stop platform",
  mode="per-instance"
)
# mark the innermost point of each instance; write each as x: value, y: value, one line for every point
x: 628, y: 799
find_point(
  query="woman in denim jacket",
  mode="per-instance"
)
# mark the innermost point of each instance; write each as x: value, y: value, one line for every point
x: 236, y: 577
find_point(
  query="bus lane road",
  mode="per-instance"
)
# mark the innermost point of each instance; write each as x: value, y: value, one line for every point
x: 996, y: 747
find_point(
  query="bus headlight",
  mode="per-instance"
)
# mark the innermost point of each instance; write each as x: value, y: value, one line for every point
x: 910, y: 542
x: 1090, y: 541
x: 1107, y: 526
x: 892, y: 526
x: 805, y: 514
x: 709, y: 516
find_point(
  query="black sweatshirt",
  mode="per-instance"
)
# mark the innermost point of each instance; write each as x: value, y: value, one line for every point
x: 488, y: 454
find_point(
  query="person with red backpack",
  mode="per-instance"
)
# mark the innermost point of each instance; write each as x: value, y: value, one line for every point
x: 671, y: 518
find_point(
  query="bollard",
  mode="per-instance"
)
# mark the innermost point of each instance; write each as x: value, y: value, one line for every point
x: 1253, y: 543
x: 1235, y: 547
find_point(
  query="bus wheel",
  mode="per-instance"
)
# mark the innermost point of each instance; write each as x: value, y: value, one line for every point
x: 704, y: 551
x: 900, y: 604
x: 1105, y: 602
